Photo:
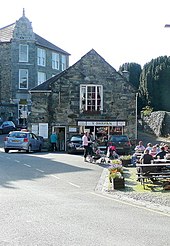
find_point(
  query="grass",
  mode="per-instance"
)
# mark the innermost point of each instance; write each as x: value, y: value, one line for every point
x: 132, y: 185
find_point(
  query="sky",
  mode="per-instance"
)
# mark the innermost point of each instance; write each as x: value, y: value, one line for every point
x: 119, y: 30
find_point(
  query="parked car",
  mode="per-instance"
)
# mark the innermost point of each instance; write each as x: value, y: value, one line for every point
x: 7, y: 126
x: 121, y: 142
x: 74, y: 144
x: 22, y: 140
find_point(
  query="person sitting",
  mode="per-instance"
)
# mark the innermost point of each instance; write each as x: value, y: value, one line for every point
x: 153, y: 151
x: 111, y: 153
x: 149, y: 146
x: 146, y: 158
x: 140, y: 147
x: 162, y: 153
x: 138, y: 150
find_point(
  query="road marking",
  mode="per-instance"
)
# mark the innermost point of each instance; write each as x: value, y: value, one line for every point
x: 8, y: 158
x: 130, y: 204
x: 16, y: 161
x: 74, y: 185
x: 26, y: 165
x: 39, y: 170
x: 54, y: 176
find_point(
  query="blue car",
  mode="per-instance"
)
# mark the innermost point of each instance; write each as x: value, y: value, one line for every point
x: 21, y: 140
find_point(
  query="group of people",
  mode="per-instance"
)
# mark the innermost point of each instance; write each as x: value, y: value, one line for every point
x: 57, y: 141
x: 150, y: 152
x: 93, y: 152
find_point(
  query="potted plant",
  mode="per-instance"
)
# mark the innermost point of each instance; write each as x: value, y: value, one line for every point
x: 126, y: 160
x: 116, y: 177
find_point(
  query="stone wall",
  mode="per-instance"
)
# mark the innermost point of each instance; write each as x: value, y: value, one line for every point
x: 154, y: 123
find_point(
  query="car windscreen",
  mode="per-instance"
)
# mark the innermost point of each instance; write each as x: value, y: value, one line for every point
x: 76, y: 138
x: 118, y: 139
x: 18, y: 135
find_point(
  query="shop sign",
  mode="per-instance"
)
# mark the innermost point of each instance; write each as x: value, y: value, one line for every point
x: 72, y: 129
x: 101, y: 123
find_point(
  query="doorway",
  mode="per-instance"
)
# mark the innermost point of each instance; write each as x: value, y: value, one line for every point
x: 61, y: 133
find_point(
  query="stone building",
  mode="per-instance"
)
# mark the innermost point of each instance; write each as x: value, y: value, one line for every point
x: 26, y: 60
x: 88, y: 96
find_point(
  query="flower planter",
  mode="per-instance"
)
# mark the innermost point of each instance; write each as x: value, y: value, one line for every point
x: 118, y: 183
x: 125, y: 163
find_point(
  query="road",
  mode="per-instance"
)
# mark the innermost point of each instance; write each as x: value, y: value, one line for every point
x: 50, y: 199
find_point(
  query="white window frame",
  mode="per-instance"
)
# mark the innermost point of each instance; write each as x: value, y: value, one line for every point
x: 55, y: 60
x: 23, y: 53
x: 41, y: 77
x: 41, y: 57
x: 63, y: 62
x: 23, y: 78
x: 91, y: 97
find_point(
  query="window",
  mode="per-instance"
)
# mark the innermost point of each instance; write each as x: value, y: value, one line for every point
x: 63, y: 62
x: 41, y: 77
x: 23, y: 79
x: 23, y: 53
x: 91, y: 97
x: 55, y: 60
x: 41, y: 57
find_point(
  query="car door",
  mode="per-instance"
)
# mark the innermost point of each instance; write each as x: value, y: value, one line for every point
x: 32, y: 140
x: 36, y: 141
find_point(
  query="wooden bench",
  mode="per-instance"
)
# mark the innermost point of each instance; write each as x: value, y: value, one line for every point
x: 144, y: 177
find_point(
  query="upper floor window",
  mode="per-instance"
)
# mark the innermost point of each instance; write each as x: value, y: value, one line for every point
x: 23, y: 53
x: 91, y: 97
x: 55, y: 60
x: 23, y: 79
x: 63, y: 62
x: 41, y: 57
x: 41, y: 77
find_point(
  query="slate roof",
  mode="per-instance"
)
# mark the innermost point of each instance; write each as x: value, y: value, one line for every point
x: 6, y: 34
x: 45, y: 86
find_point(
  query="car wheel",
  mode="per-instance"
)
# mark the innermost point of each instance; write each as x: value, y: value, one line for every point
x: 29, y: 149
x: 6, y: 150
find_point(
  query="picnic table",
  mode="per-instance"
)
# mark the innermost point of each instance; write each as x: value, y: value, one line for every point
x: 159, y: 169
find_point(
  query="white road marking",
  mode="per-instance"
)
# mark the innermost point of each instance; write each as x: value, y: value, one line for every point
x: 54, y: 176
x: 8, y: 158
x: 16, y: 161
x: 40, y: 170
x: 130, y: 204
x: 26, y: 165
x: 74, y: 185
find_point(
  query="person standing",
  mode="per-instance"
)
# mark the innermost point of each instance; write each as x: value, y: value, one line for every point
x: 53, y: 141
x: 85, y: 143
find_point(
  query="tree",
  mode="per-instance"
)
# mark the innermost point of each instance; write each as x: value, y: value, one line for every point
x: 134, y: 70
x: 154, y: 85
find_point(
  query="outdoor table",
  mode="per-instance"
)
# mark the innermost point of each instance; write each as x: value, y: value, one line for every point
x: 155, y: 171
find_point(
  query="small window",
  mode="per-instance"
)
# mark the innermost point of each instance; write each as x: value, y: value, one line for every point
x: 55, y: 60
x: 41, y: 77
x: 23, y: 53
x: 91, y: 98
x: 63, y: 62
x: 23, y: 79
x: 41, y: 57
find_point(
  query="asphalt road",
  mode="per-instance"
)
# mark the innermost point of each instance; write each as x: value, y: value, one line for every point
x: 51, y: 199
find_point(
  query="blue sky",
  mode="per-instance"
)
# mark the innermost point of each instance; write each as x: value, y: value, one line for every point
x: 119, y: 30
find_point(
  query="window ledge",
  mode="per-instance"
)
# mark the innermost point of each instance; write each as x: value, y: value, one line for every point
x: 91, y: 112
